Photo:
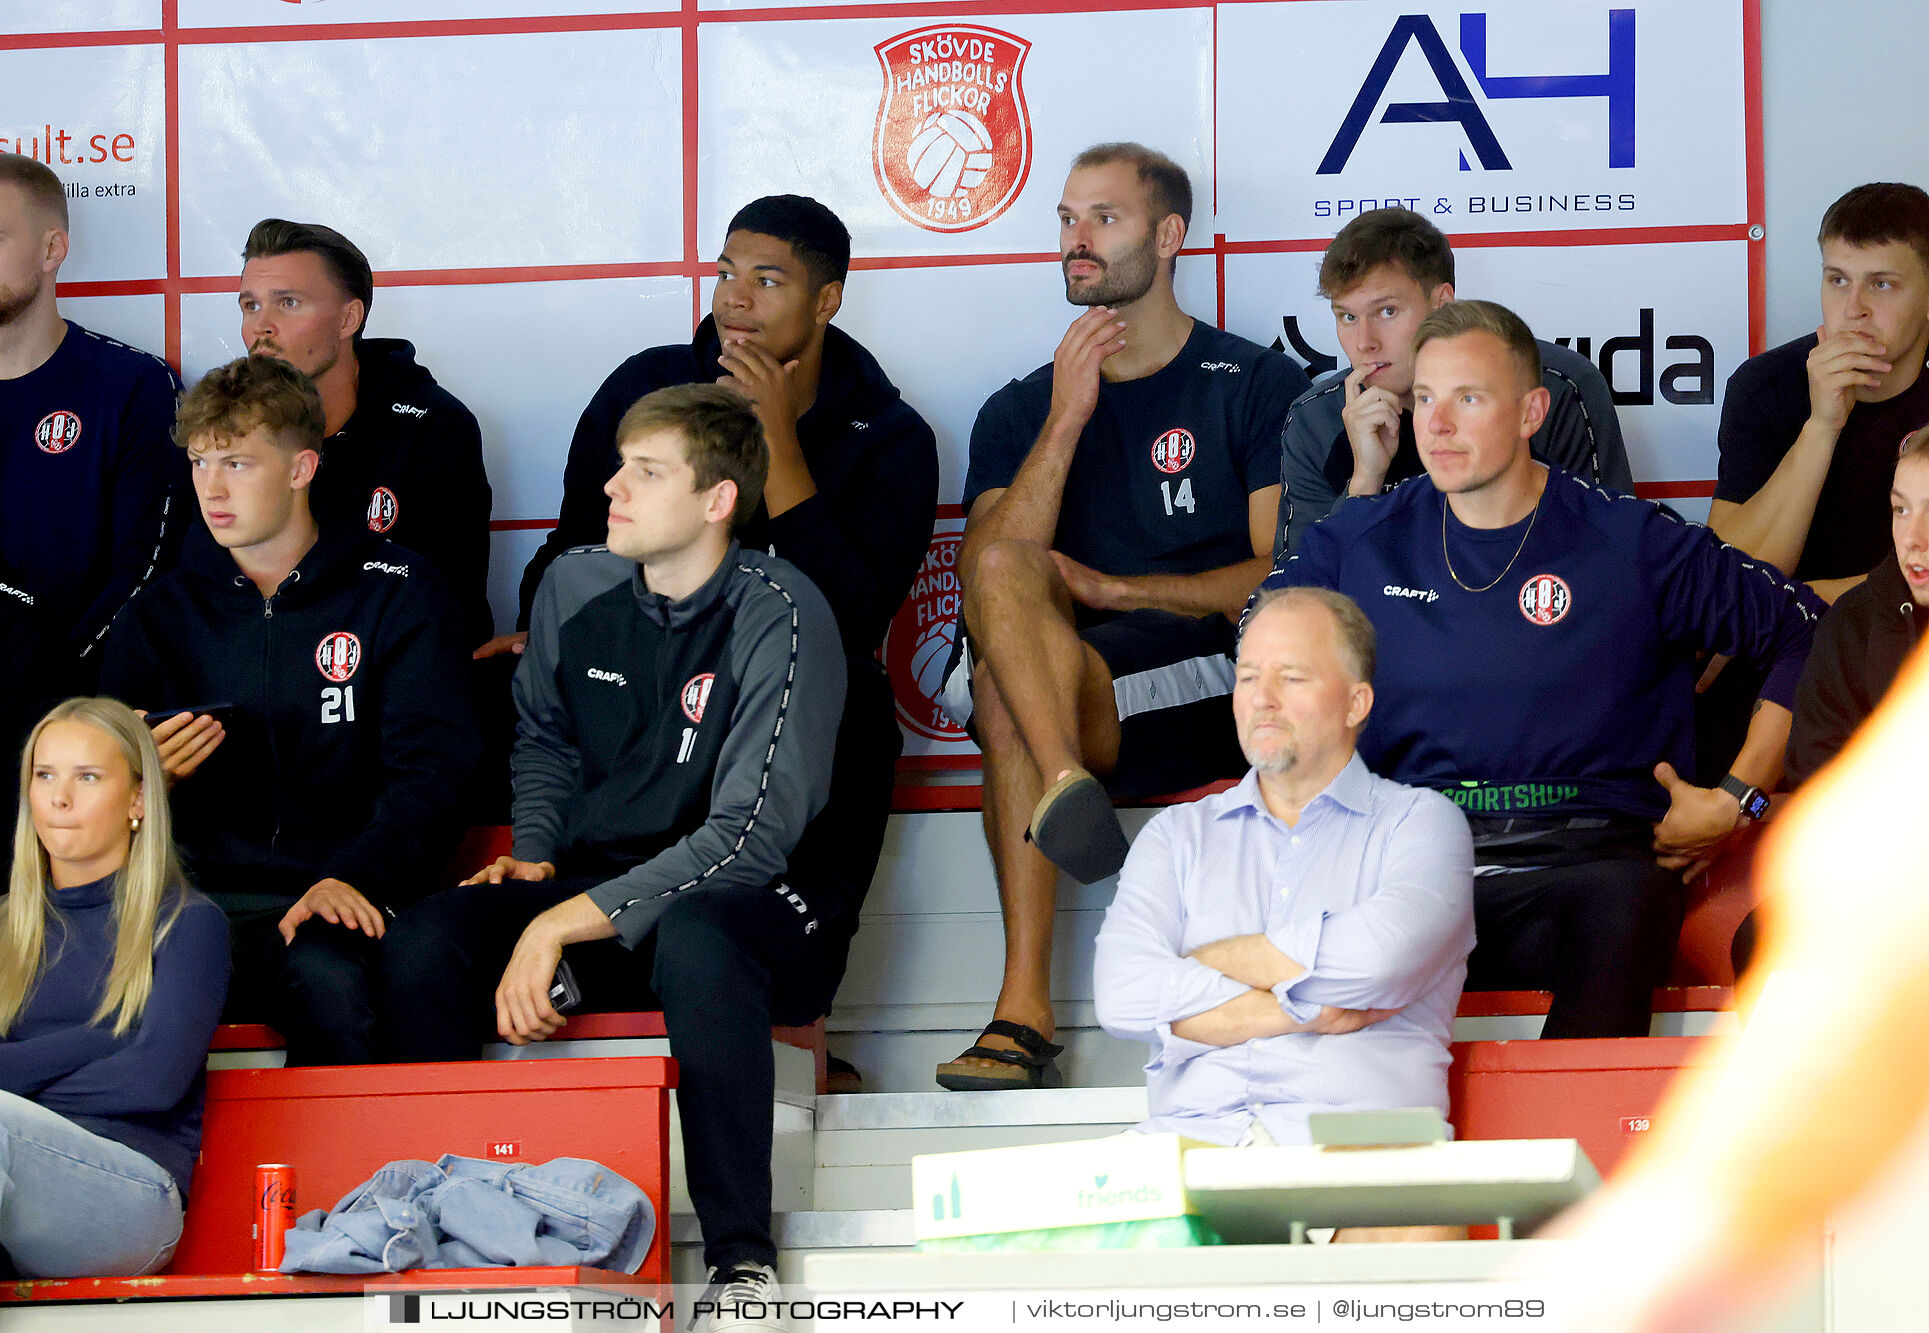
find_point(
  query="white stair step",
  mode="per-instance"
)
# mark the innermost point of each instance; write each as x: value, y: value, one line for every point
x: 851, y: 1228
x: 1031, y: 1106
x: 863, y: 1188
x: 895, y: 1147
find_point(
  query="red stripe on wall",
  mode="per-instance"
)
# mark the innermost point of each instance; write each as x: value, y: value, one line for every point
x: 1674, y: 490
x: 689, y: 18
x: 121, y: 287
x: 49, y: 41
x: 446, y: 277
x: 958, y: 261
x: 1736, y: 231
x: 980, y: 9
x: 1751, y: 49
x: 496, y: 27
x: 521, y: 524
x: 171, y: 164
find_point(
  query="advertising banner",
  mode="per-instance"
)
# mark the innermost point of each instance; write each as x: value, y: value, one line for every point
x: 542, y: 187
x: 1513, y: 116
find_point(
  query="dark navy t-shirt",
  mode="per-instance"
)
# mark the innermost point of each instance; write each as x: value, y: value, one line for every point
x: 1160, y: 480
x: 1555, y: 691
x: 1762, y: 413
x: 93, y: 493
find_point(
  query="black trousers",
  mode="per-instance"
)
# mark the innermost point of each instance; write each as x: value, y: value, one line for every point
x: 724, y: 965
x: 1600, y: 935
x: 318, y: 992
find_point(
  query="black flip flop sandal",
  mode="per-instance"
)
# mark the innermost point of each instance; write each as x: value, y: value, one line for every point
x: 1077, y: 830
x: 1030, y: 1066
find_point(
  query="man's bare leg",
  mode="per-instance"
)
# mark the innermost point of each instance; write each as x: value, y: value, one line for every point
x: 1032, y: 643
x: 1020, y: 617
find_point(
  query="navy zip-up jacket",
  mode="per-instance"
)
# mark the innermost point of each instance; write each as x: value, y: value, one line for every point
x: 860, y: 539
x: 407, y: 465
x: 353, y: 741
x: 674, y: 746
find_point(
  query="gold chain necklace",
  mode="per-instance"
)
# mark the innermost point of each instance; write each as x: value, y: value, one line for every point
x: 1465, y: 587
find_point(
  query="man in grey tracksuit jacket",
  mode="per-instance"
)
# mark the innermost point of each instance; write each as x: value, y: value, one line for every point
x: 678, y: 706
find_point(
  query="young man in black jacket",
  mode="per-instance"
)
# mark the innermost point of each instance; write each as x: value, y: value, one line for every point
x: 317, y: 751
x: 677, y: 701
x: 93, y: 497
x: 853, y: 485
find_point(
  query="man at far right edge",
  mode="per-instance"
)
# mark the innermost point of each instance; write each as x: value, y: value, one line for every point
x: 1810, y: 429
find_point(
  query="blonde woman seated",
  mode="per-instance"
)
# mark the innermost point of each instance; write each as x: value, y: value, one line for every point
x: 112, y: 976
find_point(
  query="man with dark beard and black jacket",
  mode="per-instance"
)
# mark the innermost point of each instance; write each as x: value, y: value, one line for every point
x: 677, y: 703
x: 853, y: 484
x: 317, y: 752
x: 403, y: 457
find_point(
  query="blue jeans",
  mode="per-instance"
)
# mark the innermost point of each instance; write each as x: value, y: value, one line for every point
x: 73, y: 1204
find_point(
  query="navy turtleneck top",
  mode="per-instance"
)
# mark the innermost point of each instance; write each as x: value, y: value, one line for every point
x: 143, y: 1088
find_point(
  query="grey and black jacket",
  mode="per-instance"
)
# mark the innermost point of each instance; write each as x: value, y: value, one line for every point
x: 677, y: 746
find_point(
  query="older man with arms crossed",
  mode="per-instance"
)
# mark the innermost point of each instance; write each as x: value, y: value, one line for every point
x: 1313, y: 899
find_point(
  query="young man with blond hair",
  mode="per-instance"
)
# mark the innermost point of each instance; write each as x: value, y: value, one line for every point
x: 316, y: 749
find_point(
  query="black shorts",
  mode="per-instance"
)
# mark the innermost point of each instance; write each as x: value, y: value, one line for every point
x: 1172, y: 680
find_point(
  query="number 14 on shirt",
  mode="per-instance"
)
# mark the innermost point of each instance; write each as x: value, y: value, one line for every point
x: 1181, y: 500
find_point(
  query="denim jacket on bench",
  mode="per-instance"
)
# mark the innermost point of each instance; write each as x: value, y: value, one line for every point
x: 463, y: 1212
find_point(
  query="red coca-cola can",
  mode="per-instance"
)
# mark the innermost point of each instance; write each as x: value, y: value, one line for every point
x: 274, y: 1213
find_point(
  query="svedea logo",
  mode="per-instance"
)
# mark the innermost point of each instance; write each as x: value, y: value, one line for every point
x: 918, y: 647
x: 1458, y: 103
x: 952, y: 146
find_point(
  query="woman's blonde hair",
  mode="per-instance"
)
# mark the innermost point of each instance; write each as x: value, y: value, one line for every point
x: 147, y: 891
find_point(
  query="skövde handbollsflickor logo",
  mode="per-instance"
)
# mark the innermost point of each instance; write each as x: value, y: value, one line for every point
x: 695, y: 695
x: 918, y: 646
x: 1172, y: 451
x: 1545, y: 599
x: 952, y: 146
x: 337, y: 656
x: 56, y: 432
x: 383, y: 509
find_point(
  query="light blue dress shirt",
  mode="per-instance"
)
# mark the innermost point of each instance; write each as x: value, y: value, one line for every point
x: 1372, y: 892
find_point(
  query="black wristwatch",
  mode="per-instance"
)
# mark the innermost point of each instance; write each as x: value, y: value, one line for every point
x: 1754, y: 801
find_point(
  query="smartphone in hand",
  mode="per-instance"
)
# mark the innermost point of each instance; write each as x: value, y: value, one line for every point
x: 565, y: 996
